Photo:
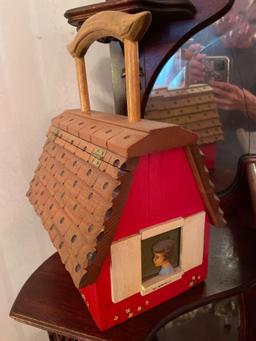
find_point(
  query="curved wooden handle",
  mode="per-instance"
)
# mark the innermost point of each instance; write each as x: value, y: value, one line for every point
x: 115, y: 24
x: 129, y: 29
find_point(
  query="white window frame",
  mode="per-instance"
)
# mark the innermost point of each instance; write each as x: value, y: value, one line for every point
x: 126, y: 270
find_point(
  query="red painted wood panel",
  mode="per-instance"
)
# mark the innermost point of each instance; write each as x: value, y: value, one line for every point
x: 163, y: 188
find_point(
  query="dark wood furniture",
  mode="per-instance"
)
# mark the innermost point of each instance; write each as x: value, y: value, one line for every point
x: 166, y: 34
x: 50, y: 301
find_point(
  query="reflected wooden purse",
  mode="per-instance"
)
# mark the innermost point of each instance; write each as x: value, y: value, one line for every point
x: 193, y: 108
x: 105, y: 183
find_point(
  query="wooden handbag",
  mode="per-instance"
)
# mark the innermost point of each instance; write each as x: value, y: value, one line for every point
x: 106, y: 183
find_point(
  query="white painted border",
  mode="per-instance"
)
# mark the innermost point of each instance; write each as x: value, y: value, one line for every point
x: 159, y: 281
x: 191, y: 255
x: 161, y: 228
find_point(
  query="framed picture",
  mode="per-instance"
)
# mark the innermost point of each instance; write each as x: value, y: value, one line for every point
x: 161, y: 255
x: 157, y: 256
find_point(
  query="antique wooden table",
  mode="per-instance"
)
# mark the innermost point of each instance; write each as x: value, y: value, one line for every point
x: 49, y: 300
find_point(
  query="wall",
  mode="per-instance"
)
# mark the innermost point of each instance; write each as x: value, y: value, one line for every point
x: 37, y: 81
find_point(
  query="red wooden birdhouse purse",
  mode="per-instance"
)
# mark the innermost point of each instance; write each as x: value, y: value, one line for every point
x: 126, y: 201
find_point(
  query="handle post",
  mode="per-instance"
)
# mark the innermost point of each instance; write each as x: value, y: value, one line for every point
x: 132, y: 79
x: 82, y: 84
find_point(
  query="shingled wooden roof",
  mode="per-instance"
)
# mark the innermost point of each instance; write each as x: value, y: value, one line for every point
x: 81, y: 184
x: 193, y: 108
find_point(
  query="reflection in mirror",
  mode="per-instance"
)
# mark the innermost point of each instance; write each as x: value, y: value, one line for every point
x: 215, y: 321
x: 209, y: 86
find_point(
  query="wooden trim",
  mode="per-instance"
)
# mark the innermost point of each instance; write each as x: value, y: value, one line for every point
x: 201, y: 186
x: 205, y: 185
x: 159, y: 281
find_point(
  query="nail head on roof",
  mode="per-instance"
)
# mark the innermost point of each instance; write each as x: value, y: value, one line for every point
x: 116, y: 163
x: 78, y: 268
x: 90, y: 228
x: 105, y: 185
x: 73, y: 239
x: 91, y: 256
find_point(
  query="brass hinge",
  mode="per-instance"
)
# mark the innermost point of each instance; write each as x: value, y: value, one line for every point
x: 97, y: 156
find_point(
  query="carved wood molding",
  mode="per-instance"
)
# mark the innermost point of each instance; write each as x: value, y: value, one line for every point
x: 160, y: 9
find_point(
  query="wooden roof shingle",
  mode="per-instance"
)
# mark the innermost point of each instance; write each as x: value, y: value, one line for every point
x: 83, y: 178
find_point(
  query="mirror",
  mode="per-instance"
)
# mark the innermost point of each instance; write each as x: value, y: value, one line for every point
x: 209, y: 86
x: 215, y: 321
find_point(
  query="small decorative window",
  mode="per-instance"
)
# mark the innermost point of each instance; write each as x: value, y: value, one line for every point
x: 156, y: 256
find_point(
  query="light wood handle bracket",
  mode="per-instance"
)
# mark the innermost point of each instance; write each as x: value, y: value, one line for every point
x: 129, y: 29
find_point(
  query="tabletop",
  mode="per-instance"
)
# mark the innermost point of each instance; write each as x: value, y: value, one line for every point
x: 49, y: 300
